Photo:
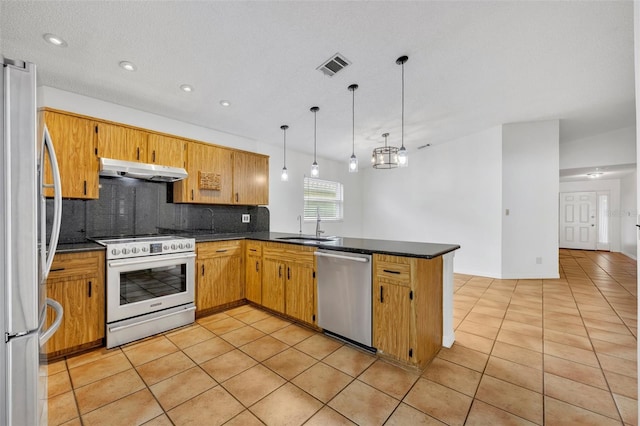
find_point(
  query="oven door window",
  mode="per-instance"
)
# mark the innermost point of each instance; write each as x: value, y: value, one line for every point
x: 147, y: 284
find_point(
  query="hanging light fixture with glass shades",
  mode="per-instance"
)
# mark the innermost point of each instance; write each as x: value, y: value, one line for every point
x: 285, y: 175
x: 403, y: 157
x: 390, y: 157
x: 385, y: 157
x: 353, y: 160
x: 315, y: 170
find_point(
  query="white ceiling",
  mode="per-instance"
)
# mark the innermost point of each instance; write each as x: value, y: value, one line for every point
x: 617, y: 171
x: 472, y: 65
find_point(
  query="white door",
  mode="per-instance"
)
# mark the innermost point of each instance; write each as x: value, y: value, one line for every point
x: 578, y: 220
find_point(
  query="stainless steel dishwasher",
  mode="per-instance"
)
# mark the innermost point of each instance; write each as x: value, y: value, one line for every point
x: 344, y: 295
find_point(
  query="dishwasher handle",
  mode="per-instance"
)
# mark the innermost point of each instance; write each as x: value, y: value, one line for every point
x: 339, y: 256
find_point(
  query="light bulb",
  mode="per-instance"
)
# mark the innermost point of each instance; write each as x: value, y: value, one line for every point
x: 315, y: 170
x: 353, y: 164
x: 285, y: 175
x: 380, y: 158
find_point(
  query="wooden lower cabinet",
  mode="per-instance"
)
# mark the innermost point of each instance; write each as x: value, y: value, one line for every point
x: 288, y: 280
x: 273, y: 284
x: 76, y: 281
x: 407, y: 308
x: 253, y: 271
x: 220, y: 274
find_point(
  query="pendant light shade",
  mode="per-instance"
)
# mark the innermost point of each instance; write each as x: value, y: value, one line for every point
x: 353, y: 160
x: 315, y: 170
x: 285, y: 174
x: 403, y: 156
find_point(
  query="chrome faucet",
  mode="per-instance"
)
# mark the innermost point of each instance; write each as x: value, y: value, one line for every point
x: 300, y: 222
x: 210, y: 211
x: 318, y: 230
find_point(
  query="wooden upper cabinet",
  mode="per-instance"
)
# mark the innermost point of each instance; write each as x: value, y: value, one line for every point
x: 210, y: 180
x: 121, y: 143
x: 165, y: 150
x: 75, y: 146
x: 250, y: 179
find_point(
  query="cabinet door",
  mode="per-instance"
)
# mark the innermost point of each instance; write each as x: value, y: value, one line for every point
x: 250, y: 179
x: 228, y: 285
x: 83, y: 319
x: 206, y: 164
x: 75, y: 145
x: 165, y: 151
x: 273, y: 284
x: 391, y: 320
x: 205, y: 285
x: 300, y: 292
x: 253, y: 278
x: 121, y: 143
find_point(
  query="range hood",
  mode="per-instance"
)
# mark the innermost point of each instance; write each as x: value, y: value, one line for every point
x: 154, y: 172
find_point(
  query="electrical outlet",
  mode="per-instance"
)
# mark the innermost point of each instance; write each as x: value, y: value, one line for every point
x: 539, y: 260
x: 246, y: 218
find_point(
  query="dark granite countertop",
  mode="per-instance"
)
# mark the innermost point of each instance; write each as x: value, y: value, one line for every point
x: 78, y: 247
x: 353, y: 245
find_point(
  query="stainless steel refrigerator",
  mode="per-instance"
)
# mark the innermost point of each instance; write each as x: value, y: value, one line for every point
x: 25, y: 255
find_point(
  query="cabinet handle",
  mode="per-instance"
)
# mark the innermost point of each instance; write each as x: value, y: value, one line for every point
x: 203, y: 270
x: 236, y: 197
x: 138, y: 153
x: 85, y: 187
x: 253, y: 250
x: 192, y: 195
x: 381, y: 294
x: 153, y: 156
x: 90, y: 288
x: 56, y: 270
x: 257, y: 270
x: 221, y: 251
x: 288, y: 273
x: 280, y: 271
x: 388, y: 271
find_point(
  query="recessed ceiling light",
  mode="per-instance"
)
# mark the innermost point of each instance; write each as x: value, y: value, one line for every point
x: 595, y: 175
x: 55, y: 40
x: 129, y: 66
x: 186, y: 88
x: 225, y: 103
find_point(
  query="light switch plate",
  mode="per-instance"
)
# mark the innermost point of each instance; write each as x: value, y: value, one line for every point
x: 246, y: 218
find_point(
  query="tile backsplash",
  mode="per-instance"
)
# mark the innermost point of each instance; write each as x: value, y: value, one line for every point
x: 136, y: 207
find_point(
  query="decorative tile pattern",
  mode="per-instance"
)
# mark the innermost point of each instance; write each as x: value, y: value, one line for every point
x: 551, y: 352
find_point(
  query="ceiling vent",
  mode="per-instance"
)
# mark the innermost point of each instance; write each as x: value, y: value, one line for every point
x: 336, y: 63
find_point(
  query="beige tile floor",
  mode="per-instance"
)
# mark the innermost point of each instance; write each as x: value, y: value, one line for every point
x: 527, y: 352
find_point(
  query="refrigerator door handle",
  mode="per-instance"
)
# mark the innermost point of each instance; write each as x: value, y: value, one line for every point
x: 57, y: 200
x: 56, y: 323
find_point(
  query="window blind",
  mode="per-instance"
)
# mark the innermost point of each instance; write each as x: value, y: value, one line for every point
x: 324, y: 196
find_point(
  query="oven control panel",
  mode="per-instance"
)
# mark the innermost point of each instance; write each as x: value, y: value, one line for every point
x: 148, y: 246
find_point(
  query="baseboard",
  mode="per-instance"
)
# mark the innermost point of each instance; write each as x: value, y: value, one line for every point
x: 629, y: 255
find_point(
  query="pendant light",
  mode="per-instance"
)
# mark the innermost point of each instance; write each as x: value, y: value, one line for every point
x: 385, y: 157
x: 285, y: 175
x: 403, y: 157
x: 353, y: 160
x: 315, y: 170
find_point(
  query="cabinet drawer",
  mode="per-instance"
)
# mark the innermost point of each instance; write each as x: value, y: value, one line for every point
x: 76, y: 265
x: 392, y: 270
x: 289, y: 253
x: 254, y: 248
x: 219, y: 249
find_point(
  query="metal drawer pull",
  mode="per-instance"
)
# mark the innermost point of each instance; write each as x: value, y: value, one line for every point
x: 381, y: 294
x: 57, y: 270
x: 122, y: 327
x: 388, y: 271
x: 221, y: 251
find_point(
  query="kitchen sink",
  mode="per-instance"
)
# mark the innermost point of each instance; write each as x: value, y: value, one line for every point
x: 309, y: 239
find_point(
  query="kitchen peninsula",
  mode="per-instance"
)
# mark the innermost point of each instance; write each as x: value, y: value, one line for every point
x: 417, y: 280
